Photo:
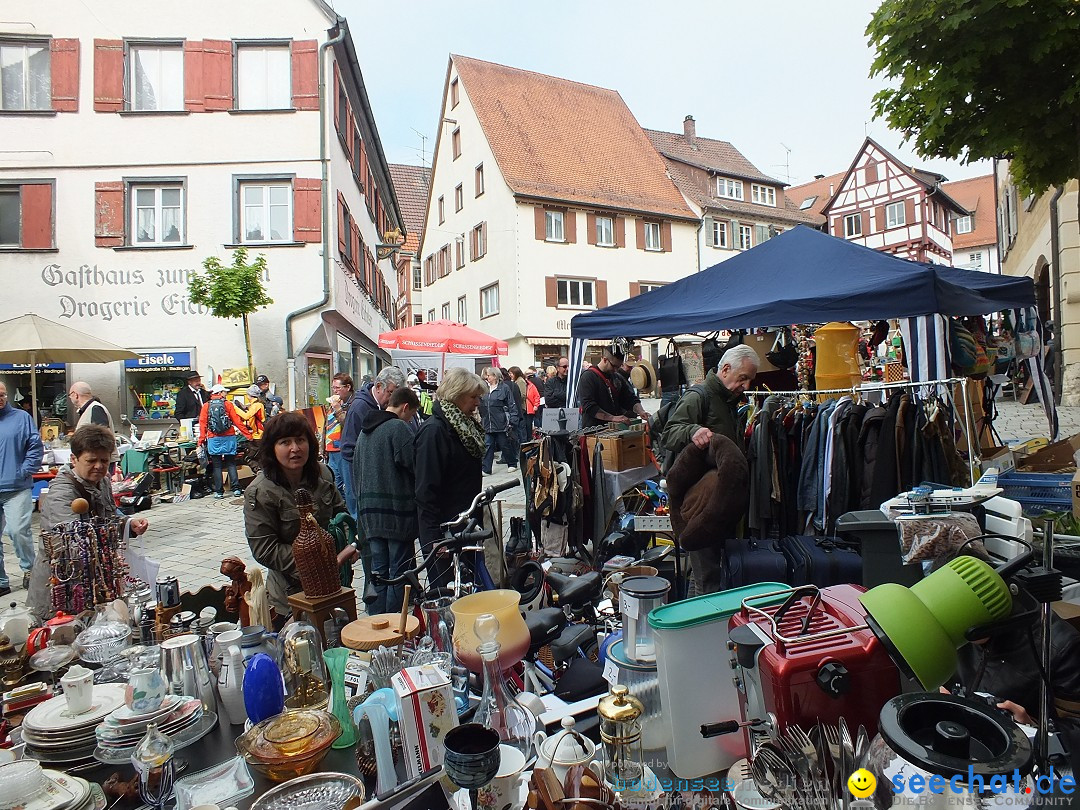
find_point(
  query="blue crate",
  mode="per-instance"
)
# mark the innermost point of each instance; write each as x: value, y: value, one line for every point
x: 1038, y: 492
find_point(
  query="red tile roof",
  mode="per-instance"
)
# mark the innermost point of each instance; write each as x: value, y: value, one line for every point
x: 977, y: 195
x: 562, y: 140
x: 411, y: 185
x: 821, y: 190
x: 709, y: 154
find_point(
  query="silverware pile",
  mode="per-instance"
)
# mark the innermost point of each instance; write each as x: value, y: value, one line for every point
x: 810, y: 769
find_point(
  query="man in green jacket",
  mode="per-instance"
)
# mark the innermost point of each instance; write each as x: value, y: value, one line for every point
x: 695, y: 419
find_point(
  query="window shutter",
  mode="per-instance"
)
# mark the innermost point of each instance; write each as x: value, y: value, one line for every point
x: 909, y: 211
x: 601, y: 294
x: 570, y: 227
x: 640, y: 225
x: 590, y: 228
x: 64, y: 70
x: 307, y: 209
x: 837, y: 228
x: 337, y: 99
x: 665, y: 236
x: 109, y: 214
x: 710, y: 237
x: 551, y: 290
x: 879, y: 216
x: 635, y: 288
x: 194, y: 77
x: 342, y: 233
x: 37, y: 215
x: 358, y: 252
x: 865, y: 216
x: 305, y: 74
x: 871, y: 172
x: 620, y: 232
x: 217, y: 74
x: 108, y: 75
x: 540, y: 223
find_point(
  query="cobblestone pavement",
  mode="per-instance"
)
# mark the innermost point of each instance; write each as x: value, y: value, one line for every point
x: 189, y: 539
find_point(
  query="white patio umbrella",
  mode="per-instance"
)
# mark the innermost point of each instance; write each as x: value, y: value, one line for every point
x: 33, y: 339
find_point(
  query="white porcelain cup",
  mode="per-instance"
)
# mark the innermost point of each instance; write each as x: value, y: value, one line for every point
x: 78, y: 685
x: 217, y: 628
x: 206, y: 807
x: 504, y: 790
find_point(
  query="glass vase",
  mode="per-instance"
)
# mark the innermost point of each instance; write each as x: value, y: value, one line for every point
x: 336, y: 659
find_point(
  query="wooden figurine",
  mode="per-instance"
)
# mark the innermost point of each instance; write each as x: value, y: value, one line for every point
x: 236, y: 591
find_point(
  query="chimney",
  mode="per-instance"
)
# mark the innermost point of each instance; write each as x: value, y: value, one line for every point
x: 819, y: 177
x: 830, y: 189
x: 690, y: 131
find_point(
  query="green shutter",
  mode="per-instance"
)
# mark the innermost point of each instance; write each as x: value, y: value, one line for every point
x: 709, y: 231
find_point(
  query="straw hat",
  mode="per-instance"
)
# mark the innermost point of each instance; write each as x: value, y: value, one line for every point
x: 643, y: 375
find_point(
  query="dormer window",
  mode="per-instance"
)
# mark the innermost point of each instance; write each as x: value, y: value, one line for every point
x: 732, y: 189
x: 963, y: 224
x: 808, y: 202
x: 763, y: 195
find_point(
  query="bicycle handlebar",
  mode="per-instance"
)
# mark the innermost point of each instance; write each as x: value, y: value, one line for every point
x: 463, y: 539
x: 483, y: 497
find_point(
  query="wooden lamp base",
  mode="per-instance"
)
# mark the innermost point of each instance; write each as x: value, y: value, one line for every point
x: 318, y: 609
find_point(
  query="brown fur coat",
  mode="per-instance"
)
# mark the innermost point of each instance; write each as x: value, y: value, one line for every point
x: 708, y: 492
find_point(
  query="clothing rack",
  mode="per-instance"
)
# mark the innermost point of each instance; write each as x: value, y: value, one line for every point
x: 972, y: 441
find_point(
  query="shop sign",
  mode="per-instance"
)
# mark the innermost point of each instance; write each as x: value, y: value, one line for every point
x: 164, y: 360
x: 351, y: 302
x: 24, y: 368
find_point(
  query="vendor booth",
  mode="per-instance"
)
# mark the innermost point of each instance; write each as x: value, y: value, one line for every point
x: 436, y: 346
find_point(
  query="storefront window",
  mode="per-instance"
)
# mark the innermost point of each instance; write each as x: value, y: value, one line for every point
x: 318, y: 380
x: 344, y: 361
x: 51, y: 387
x: 152, y: 381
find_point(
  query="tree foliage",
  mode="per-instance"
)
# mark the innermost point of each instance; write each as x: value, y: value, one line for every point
x: 232, y: 291
x: 976, y: 79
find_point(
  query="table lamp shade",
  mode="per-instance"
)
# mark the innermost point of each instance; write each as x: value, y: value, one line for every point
x: 924, y: 625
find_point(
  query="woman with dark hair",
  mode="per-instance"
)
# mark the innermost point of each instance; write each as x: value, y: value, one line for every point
x: 288, y: 453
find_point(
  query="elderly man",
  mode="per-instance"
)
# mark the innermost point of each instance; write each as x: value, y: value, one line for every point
x: 191, y: 398
x: 605, y: 395
x: 20, y: 457
x: 372, y: 396
x: 698, y: 415
x: 89, y: 409
x: 555, y: 387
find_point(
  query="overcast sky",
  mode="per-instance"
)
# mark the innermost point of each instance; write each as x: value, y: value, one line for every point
x: 762, y: 74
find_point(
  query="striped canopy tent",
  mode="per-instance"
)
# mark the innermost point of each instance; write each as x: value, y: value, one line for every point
x: 806, y: 276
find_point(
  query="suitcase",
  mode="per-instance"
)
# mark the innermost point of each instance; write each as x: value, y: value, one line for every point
x: 820, y: 561
x: 747, y: 562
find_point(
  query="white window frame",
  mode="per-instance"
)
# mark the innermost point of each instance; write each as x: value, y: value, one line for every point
x: 965, y: 224
x: 851, y: 220
x: 975, y: 261
x: 417, y: 277
x: 746, y: 237
x: 479, y: 241
x: 431, y: 315
x: 12, y: 51
x: 445, y: 311
x: 653, y: 238
x: 807, y: 203
x: 175, y: 83
x: 731, y: 189
x: 158, y: 211
x: 605, y: 237
x: 462, y: 309
x: 554, y: 226
x: 891, y: 218
x: 720, y: 233
x: 489, y: 300
x: 14, y: 192
x: 264, y: 83
x: 648, y: 286
x: 580, y: 288
x: 267, y: 209
x: 763, y: 195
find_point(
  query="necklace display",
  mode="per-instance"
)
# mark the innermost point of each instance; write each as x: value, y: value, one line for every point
x: 86, y: 558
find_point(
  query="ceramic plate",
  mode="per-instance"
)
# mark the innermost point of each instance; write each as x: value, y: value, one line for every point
x: 79, y: 788
x: 313, y: 792
x: 63, y: 757
x: 193, y: 733
x: 133, y: 740
x: 53, y: 744
x: 179, y: 718
x: 53, y: 715
x: 126, y: 715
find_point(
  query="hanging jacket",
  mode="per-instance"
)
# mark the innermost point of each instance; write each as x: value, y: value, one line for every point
x: 886, y: 479
x: 869, y: 437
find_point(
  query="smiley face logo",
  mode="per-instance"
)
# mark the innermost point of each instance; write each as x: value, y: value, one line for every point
x: 861, y: 783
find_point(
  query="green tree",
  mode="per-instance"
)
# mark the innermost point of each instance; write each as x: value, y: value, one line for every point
x: 232, y: 291
x: 984, y: 79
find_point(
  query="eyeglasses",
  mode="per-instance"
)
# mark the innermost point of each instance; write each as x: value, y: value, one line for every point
x: 566, y: 366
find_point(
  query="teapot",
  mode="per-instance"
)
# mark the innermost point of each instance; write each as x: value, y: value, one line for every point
x: 16, y: 623
x: 563, y: 750
x: 61, y: 629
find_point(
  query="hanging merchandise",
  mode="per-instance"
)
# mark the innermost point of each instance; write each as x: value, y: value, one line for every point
x: 87, y: 561
x: 784, y: 353
x: 670, y: 370
x: 1028, y: 344
x: 837, y: 362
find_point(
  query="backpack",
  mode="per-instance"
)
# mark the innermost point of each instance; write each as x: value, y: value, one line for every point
x: 659, y: 422
x: 217, y: 419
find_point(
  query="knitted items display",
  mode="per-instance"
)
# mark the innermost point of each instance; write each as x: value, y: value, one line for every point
x: 313, y: 551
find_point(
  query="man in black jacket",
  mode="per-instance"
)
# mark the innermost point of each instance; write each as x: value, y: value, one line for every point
x: 604, y: 395
x: 371, y: 397
x: 191, y: 398
x: 555, y: 387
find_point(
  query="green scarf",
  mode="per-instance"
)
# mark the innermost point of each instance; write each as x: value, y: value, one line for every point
x: 466, y: 428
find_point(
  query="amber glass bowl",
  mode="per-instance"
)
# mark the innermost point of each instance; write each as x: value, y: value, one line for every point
x: 297, y: 744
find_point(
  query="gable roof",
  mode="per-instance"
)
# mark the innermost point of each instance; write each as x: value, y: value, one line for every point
x: 411, y: 184
x: 821, y: 189
x: 976, y: 194
x: 556, y: 139
x: 710, y: 154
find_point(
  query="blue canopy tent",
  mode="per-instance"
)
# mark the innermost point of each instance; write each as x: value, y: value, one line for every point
x: 806, y: 276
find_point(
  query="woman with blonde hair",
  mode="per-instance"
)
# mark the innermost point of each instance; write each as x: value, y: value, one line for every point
x: 500, y: 415
x: 449, y: 448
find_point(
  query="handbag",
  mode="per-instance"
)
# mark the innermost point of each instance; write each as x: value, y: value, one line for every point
x: 784, y: 353
x: 1028, y: 343
x: 670, y: 371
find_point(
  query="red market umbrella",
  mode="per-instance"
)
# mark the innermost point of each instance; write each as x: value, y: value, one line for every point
x: 443, y: 336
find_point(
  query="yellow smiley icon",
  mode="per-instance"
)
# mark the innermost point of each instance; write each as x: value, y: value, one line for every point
x: 861, y: 783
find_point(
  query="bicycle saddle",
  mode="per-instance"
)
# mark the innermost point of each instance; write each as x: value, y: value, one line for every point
x: 575, y: 591
x: 544, y: 625
x: 574, y: 637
